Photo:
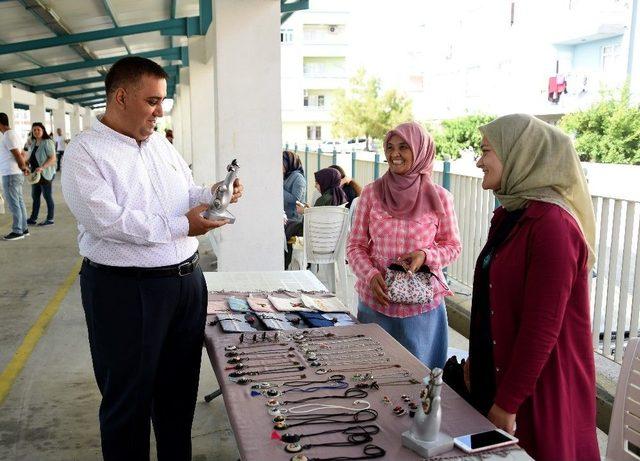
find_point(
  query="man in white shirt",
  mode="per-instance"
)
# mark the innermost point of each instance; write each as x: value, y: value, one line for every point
x: 59, y: 140
x: 143, y: 293
x: 13, y: 168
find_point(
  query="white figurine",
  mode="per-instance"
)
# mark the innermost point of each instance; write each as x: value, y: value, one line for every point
x: 425, y: 437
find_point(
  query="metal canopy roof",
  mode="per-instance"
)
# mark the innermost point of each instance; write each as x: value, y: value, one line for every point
x: 64, y: 47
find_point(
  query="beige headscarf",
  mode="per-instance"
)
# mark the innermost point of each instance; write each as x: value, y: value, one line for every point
x: 540, y: 163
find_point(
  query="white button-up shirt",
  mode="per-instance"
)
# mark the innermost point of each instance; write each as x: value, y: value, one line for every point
x: 130, y: 201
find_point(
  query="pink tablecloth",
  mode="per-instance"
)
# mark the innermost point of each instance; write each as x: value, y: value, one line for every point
x: 252, y: 425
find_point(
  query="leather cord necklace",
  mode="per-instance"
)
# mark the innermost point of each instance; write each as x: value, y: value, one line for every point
x: 301, y: 383
x: 361, y: 416
x: 351, y: 393
x: 370, y: 451
x: 356, y: 435
x: 333, y: 382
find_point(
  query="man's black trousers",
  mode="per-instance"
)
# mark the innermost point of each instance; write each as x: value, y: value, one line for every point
x: 146, y: 336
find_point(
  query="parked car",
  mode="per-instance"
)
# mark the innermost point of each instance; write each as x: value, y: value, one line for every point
x: 330, y: 146
x: 357, y: 144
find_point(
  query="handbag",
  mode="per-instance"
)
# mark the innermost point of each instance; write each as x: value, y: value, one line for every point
x: 410, y: 288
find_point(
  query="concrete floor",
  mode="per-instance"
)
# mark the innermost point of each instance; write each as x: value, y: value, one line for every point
x: 50, y: 412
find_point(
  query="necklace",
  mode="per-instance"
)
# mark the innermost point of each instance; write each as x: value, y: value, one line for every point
x: 371, y: 360
x: 242, y: 366
x: 322, y: 371
x: 377, y: 385
x: 268, y: 371
x: 313, y: 407
x: 371, y: 376
x: 232, y: 347
x: 244, y: 380
x: 370, y: 451
x: 333, y: 382
x: 356, y: 435
x: 364, y: 416
x: 351, y: 393
x: 259, y: 352
x: 234, y: 360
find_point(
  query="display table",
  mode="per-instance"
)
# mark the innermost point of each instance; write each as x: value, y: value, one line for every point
x: 253, y: 426
x: 263, y: 281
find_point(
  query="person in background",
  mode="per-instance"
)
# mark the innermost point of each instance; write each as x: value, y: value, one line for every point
x: 328, y: 184
x: 42, y: 159
x: 349, y: 185
x: 169, y: 135
x: 531, y: 367
x: 60, y: 145
x: 405, y: 217
x: 294, y: 189
x: 13, y: 169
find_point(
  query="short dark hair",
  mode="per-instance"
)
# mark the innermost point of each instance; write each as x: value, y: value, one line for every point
x: 4, y: 119
x: 130, y: 70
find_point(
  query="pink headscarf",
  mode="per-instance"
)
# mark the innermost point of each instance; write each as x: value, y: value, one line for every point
x: 411, y: 195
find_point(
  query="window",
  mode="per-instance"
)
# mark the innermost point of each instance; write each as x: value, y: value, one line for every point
x: 320, y: 100
x: 314, y: 133
x: 305, y: 101
x: 286, y: 35
x: 611, y: 57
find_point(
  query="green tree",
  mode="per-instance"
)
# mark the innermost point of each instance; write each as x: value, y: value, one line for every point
x: 364, y: 110
x: 456, y: 134
x: 607, y: 132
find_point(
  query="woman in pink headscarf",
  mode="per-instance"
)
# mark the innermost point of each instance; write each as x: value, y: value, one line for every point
x: 404, y: 216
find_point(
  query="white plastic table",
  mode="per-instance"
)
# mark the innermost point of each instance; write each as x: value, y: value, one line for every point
x: 263, y: 281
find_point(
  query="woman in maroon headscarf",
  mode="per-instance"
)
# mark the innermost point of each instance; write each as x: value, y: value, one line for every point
x: 328, y: 184
x: 405, y: 216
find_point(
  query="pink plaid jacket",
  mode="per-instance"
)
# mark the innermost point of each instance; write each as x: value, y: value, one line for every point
x: 377, y: 239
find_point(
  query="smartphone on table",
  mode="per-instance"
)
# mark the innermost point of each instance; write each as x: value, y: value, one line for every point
x: 487, y: 440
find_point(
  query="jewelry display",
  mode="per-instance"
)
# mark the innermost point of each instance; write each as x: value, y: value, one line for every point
x: 425, y: 437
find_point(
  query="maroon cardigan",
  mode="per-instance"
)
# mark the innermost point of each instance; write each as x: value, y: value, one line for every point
x: 540, y: 321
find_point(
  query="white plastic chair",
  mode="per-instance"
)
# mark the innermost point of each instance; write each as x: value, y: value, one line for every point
x: 325, y: 237
x: 624, y: 428
x: 352, y: 211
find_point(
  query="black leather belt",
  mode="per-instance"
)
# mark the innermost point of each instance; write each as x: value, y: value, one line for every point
x: 178, y: 270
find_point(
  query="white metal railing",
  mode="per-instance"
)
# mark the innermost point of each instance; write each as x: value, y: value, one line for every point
x: 615, y: 285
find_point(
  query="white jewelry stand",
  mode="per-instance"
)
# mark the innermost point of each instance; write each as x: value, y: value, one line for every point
x: 425, y: 437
